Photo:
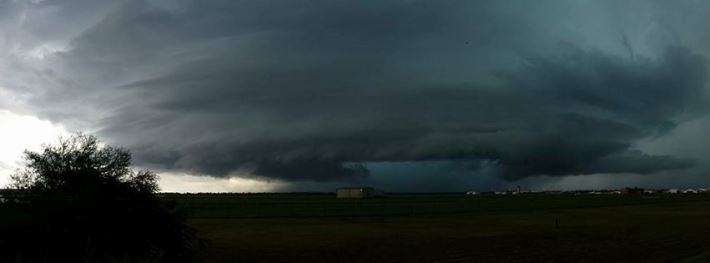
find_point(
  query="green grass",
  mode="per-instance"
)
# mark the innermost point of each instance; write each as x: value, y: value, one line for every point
x: 450, y: 228
x: 323, y: 205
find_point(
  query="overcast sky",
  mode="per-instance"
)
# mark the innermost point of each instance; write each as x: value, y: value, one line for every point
x: 404, y: 95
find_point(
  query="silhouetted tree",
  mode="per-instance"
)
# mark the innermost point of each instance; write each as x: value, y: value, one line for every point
x: 79, y: 201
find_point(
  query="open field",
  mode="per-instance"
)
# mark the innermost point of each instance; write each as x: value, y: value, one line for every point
x: 450, y: 228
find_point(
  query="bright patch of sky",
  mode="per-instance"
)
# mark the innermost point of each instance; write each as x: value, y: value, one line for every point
x: 181, y: 183
x: 19, y: 133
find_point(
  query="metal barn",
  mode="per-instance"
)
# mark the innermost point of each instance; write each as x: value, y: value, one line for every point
x: 358, y: 192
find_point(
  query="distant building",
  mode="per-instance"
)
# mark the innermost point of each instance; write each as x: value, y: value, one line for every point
x: 690, y: 191
x: 631, y: 191
x: 358, y: 192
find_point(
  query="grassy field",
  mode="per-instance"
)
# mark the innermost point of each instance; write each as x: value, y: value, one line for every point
x: 450, y: 228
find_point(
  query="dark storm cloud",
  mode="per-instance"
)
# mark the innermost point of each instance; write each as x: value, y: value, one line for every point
x: 575, y: 114
x: 309, y: 90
